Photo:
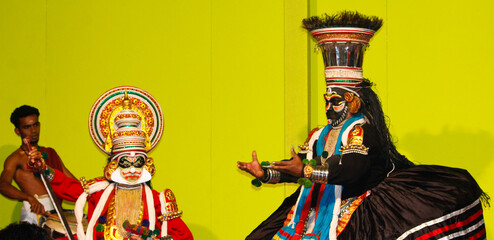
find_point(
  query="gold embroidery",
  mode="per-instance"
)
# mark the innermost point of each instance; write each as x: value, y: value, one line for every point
x: 355, y: 142
x: 84, y: 184
x: 127, y: 204
x: 348, y: 206
x: 171, y: 206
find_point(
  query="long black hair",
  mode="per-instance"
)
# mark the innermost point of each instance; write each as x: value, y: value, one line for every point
x: 372, y: 110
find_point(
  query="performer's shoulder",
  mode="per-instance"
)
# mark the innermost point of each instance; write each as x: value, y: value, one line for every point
x: 15, y: 157
x: 316, y: 129
x: 168, y: 195
x: 365, y: 133
x: 314, y: 133
x: 93, y: 185
x: 93, y: 181
x: 367, y: 127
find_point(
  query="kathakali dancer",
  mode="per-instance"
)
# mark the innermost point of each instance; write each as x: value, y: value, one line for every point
x: 126, y: 123
x: 355, y: 184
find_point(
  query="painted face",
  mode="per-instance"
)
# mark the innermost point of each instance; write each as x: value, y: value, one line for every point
x: 29, y: 126
x: 336, y: 106
x: 131, y: 166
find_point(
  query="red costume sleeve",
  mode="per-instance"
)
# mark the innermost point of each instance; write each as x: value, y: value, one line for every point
x: 176, y: 227
x: 66, y: 188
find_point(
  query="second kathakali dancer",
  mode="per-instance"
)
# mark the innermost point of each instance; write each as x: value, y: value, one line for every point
x: 126, y: 123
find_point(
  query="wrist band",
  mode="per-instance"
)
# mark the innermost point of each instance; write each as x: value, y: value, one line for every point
x: 272, y: 176
x: 320, y: 174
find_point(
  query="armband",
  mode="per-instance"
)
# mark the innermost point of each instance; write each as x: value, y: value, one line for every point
x: 171, y: 215
x: 171, y: 207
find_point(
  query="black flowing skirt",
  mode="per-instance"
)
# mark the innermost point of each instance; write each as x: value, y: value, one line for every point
x: 421, y: 202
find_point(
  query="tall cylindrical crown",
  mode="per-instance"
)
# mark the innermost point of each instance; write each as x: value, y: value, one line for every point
x: 343, y: 39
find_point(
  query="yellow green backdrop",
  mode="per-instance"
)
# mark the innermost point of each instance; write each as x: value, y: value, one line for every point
x: 237, y: 76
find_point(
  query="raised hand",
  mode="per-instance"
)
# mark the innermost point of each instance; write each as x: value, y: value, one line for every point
x: 36, y: 161
x: 253, y: 168
x: 293, y: 167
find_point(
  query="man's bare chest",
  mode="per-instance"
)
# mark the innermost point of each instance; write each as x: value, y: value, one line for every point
x: 26, y: 180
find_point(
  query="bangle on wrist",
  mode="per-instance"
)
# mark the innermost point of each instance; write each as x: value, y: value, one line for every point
x: 274, y: 176
x: 320, y: 174
x: 271, y: 176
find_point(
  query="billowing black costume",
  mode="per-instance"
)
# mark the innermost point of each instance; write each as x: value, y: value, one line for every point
x: 388, y: 197
x: 407, y: 198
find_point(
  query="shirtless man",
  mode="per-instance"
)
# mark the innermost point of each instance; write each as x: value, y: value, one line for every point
x: 32, y: 192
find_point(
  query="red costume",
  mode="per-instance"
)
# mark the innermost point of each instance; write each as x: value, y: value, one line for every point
x: 53, y: 159
x: 70, y: 189
x: 126, y: 123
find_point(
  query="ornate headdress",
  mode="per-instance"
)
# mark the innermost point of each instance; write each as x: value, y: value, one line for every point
x: 126, y: 119
x: 343, y: 38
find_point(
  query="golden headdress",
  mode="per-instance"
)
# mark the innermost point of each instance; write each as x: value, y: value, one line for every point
x: 126, y: 119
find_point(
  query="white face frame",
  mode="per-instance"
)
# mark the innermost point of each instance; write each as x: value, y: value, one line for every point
x: 131, y: 169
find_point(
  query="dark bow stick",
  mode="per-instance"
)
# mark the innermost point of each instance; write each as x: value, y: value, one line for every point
x: 52, y: 196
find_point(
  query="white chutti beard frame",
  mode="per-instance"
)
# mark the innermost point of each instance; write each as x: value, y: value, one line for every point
x: 116, y: 176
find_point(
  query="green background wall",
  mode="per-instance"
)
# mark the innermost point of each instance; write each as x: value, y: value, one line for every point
x: 232, y: 77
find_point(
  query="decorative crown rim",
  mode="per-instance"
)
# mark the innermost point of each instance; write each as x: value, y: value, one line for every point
x: 105, y: 110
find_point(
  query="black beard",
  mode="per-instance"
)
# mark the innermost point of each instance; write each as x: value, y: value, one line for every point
x: 341, y: 118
